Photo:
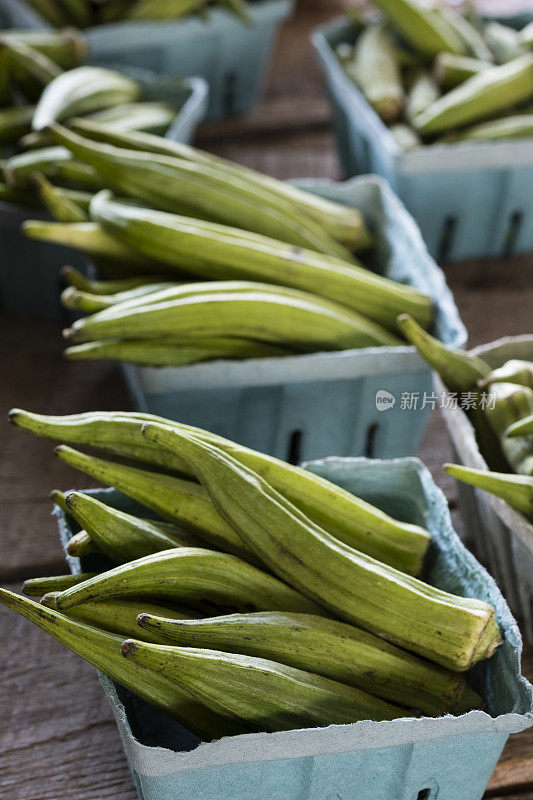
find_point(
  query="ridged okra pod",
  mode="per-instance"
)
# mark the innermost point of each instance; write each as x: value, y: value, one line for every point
x: 263, y: 693
x: 509, y: 403
x: 66, y: 47
x: 184, y: 187
x: 83, y: 90
x: 90, y: 238
x: 174, y: 499
x: 524, y: 427
x: 299, y: 323
x: 102, y: 650
x: 421, y: 26
x: 451, y: 70
x: 376, y: 71
x: 348, y: 518
x: 37, y: 587
x: 423, y: 91
x: 452, y: 631
x: 124, y: 537
x: 516, y: 371
x: 219, y: 252
x: 342, y: 222
x: 517, y: 490
x: 120, y: 616
x: 57, y: 201
x: 81, y: 545
x: 484, y: 95
x: 328, y: 648
x: 155, y: 353
x: 517, y: 126
x: 210, y: 581
x: 460, y: 371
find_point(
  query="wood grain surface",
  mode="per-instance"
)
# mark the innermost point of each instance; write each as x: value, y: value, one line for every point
x: 57, y: 736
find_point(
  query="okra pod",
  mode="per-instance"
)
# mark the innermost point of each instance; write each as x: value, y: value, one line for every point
x: 124, y: 537
x: 355, y: 587
x: 81, y: 545
x: 201, y: 578
x: 519, y: 126
x: 427, y: 31
x: 342, y: 222
x: 102, y: 650
x: 57, y: 201
x: 81, y: 91
x: 524, y: 427
x: 37, y: 587
x: 181, y: 186
x: 218, y: 252
x: 299, y: 323
x: 176, y: 500
x: 451, y: 70
x: 491, y: 91
x: 376, y: 71
x: 517, y: 490
x: 263, y: 693
x: 67, y: 47
x: 119, y: 616
x: 504, y: 42
x: 422, y: 93
x: 164, y: 354
x: 516, y: 371
x: 325, y: 647
x: 348, y: 518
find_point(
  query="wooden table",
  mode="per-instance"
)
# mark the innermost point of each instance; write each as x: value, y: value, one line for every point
x: 57, y: 737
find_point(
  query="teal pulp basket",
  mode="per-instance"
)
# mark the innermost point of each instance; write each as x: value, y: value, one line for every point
x: 446, y: 758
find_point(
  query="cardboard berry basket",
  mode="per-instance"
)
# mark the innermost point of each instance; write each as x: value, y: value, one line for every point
x: 470, y: 199
x: 29, y: 269
x: 231, y: 56
x: 503, y: 537
x: 446, y: 758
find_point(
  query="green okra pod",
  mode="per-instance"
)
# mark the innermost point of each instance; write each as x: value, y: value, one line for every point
x: 297, y: 322
x: 219, y: 252
x: 83, y: 90
x: 348, y: 518
x: 427, y: 31
x: 119, y: 616
x: 181, y: 186
x: 57, y: 201
x: 266, y: 694
x: 491, y: 91
x: 516, y: 371
x: 203, y: 579
x: 176, y: 500
x: 37, y: 587
x: 517, y: 490
x: 524, y: 427
x: 342, y: 222
x: 102, y: 650
x: 375, y: 69
x: 124, y: 537
x: 451, y: 70
x: 67, y: 47
x: 155, y: 353
x: 325, y: 647
x: 452, y: 631
x: 81, y: 545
